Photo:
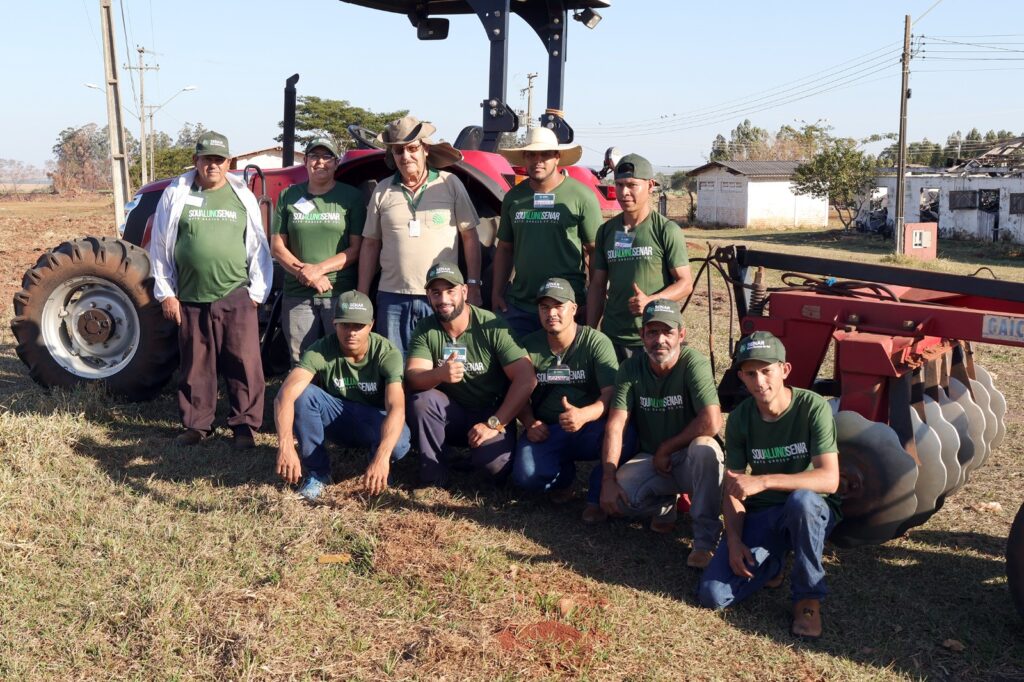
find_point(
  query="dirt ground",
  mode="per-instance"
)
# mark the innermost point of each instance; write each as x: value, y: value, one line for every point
x: 122, y: 557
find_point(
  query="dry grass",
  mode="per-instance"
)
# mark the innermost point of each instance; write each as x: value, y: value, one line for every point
x: 122, y: 557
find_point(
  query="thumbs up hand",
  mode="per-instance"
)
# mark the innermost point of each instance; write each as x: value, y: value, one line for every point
x: 638, y: 300
x: 572, y: 418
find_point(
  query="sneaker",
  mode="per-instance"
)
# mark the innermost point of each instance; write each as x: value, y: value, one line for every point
x: 593, y: 513
x: 313, y: 486
x: 807, y: 619
x: 189, y: 437
x: 243, y: 439
x: 663, y: 526
x: 699, y: 558
x: 560, y: 495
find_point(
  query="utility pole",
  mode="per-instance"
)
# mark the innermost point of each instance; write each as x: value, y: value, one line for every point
x: 528, y: 91
x: 142, y: 69
x: 115, y: 125
x: 901, y: 163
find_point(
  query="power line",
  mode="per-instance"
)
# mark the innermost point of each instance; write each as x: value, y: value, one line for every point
x: 796, y: 84
x: 925, y: 13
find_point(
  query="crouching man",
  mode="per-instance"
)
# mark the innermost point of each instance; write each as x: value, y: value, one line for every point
x: 669, y: 392
x: 359, y: 402
x: 787, y: 436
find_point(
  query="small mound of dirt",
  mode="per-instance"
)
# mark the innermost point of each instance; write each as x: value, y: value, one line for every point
x: 544, y: 632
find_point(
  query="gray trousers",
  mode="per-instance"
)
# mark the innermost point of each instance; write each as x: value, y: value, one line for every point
x: 696, y: 470
x: 306, y: 319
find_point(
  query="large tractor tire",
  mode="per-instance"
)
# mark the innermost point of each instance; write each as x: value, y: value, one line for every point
x: 1015, y: 561
x: 86, y: 312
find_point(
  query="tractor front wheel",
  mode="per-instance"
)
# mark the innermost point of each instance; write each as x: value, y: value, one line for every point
x: 86, y: 312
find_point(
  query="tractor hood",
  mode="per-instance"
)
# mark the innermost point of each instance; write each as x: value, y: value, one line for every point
x: 435, y: 7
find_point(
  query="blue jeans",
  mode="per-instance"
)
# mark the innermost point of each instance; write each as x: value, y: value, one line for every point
x: 521, y: 320
x: 551, y: 464
x: 320, y: 416
x: 306, y: 320
x: 630, y: 445
x: 398, y: 315
x: 800, y: 525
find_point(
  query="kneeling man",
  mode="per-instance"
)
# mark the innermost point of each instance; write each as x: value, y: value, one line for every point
x: 669, y: 392
x: 359, y: 403
x: 787, y: 436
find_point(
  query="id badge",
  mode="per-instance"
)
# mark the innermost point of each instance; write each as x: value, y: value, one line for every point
x: 414, y: 228
x: 543, y: 200
x: 623, y: 240
x: 461, y: 353
x: 193, y: 200
x: 304, y: 206
x: 559, y: 374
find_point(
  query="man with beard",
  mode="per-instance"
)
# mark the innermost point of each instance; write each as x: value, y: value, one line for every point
x: 787, y: 436
x: 317, y: 233
x: 547, y: 225
x: 670, y: 394
x: 640, y: 255
x: 359, y: 402
x: 471, y: 380
x: 211, y: 271
x: 417, y: 216
x: 564, y: 419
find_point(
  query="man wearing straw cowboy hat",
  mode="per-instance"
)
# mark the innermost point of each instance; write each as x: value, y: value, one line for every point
x: 547, y: 223
x: 417, y: 216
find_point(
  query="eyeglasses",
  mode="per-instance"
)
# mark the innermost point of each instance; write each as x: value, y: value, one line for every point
x: 326, y: 158
x: 413, y: 148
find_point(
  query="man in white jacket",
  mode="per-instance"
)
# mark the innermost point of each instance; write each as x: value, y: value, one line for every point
x: 211, y: 271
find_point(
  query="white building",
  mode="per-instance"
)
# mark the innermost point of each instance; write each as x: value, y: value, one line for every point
x: 754, y: 194
x: 265, y: 158
x: 980, y: 205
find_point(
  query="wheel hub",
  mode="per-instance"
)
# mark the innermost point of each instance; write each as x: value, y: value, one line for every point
x: 95, y: 326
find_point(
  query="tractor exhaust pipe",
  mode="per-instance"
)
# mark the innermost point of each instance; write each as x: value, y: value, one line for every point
x: 288, y: 137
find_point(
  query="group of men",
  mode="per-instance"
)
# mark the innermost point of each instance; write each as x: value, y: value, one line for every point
x: 582, y: 358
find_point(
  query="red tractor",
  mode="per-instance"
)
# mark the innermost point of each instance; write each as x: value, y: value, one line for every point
x: 915, y: 415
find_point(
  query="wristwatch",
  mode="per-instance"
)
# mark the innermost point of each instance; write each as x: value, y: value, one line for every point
x: 472, y: 281
x: 494, y: 423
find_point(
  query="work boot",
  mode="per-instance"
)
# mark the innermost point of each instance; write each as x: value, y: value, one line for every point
x: 243, y: 440
x: 560, y: 495
x: 189, y: 437
x: 663, y: 526
x: 699, y: 558
x: 593, y: 513
x: 807, y: 619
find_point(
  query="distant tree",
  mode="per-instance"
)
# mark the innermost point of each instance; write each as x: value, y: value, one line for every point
x: 316, y: 117
x: 841, y: 173
x: 83, y: 159
x: 719, y: 149
x: 678, y: 180
x: 189, y: 135
x: 748, y: 142
x: 14, y: 174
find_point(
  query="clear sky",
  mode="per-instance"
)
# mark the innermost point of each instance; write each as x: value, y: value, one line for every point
x: 657, y: 77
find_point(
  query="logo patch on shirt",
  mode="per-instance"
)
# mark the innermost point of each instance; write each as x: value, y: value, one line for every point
x: 325, y: 217
x: 554, y: 376
x: 212, y: 214
x: 367, y: 387
x: 631, y: 252
x: 657, y: 404
x: 780, y: 453
x: 535, y: 216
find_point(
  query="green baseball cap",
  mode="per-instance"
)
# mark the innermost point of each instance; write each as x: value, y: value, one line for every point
x: 558, y: 289
x: 325, y: 142
x: 354, y: 307
x: 212, y: 144
x: 664, y: 310
x: 445, y: 270
x: 763, y: 346
x: 634, y: 166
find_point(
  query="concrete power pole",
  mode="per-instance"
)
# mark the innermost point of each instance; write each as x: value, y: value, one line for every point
x: 115, y: 125
x: 142, y: 69
x: 901, y: 163
x: 528, y: 91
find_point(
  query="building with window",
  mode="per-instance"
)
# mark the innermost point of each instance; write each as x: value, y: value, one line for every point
x: 754, y: 194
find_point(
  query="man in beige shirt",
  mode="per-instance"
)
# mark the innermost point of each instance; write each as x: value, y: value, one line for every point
x: 417, y: 216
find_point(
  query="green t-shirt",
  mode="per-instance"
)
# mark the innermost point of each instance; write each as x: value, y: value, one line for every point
x: 364, y: 382
x: 488, y: 346
x: 591, y: 364
x: 785, y: 446
x: 319, y: 226
x: 547, y: 235
x: 645, y: 255
x: 661, y: 407
x: 209, y: 253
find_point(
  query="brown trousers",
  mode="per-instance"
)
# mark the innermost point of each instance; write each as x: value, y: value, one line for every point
x: 220, y: 336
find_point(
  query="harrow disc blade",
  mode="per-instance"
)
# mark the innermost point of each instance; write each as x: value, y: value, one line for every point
x: 975, y: 422
x: 931, y: 472
x: 955, y: 415
x: 984, y: 400
x: 950, y: 440
x: 998, y: 403
x: 877, y: 479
